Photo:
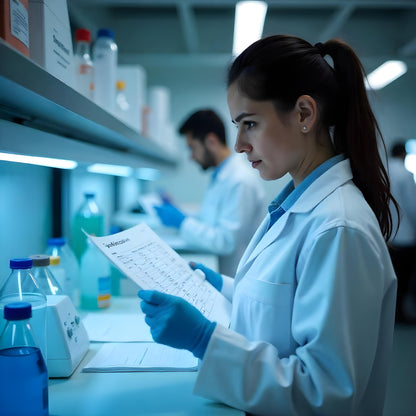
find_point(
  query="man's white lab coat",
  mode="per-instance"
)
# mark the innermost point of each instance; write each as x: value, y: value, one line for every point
x: 232, y: 209
x: 313, y: 311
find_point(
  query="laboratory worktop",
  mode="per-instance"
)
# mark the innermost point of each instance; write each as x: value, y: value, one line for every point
x: 129, y: 393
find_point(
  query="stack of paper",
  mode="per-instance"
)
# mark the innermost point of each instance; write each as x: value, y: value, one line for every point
x: 146, y: 356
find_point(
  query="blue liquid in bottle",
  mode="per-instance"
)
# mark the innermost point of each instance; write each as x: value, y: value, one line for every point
x: 24, y: 382
x: 23, y: 372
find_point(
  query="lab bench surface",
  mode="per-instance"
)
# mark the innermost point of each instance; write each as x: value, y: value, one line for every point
x: 129, y: 393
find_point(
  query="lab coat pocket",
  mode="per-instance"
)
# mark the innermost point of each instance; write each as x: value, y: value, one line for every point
x: 262, y: 312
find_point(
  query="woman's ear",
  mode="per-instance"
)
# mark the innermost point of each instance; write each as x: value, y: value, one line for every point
x: 307, y: 112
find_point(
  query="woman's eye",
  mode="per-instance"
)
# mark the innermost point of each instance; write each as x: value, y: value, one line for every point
x: 249, y: 124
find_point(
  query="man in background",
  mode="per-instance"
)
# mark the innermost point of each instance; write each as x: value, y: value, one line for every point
x: 403, y: 243
x: 233, y: 205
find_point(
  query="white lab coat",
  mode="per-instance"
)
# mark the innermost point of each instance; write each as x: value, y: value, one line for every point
x: 403, y: 188
x: 313, y: 311
x: 232, y: 209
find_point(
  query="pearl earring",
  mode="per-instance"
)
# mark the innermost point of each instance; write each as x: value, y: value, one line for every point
x: 304, y: 128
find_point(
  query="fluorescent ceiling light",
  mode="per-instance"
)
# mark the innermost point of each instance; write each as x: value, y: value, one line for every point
x: 115, y: 170
x: 40, y: 161
x: 385, y: 74
x: 147, y: 174
x: 248, y: 24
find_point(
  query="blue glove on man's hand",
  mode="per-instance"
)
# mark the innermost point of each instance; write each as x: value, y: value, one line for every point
x: 170, y: 215
x: 175, y: 322
x: 213, y: 277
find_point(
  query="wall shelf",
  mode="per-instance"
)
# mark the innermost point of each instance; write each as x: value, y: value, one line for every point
x: 35, y: 103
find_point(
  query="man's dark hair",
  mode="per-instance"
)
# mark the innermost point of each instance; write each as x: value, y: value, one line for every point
x: 202, y: 122
x: 398, y: 149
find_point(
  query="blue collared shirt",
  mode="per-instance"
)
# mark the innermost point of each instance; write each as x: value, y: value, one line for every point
x: 289, y: 195
x: 219, y: 167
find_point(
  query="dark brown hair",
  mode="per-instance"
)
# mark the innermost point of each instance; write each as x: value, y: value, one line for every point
x: 281, y: 68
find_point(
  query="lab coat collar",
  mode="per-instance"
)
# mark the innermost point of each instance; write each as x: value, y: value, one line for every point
x: 332, y: 179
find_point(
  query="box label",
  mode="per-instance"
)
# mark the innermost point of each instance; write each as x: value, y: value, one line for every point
x: 19, y: 22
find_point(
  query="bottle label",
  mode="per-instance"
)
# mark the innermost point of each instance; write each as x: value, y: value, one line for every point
x: 104, y: 292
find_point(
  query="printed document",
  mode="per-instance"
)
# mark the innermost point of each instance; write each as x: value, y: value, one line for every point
x: 145, y: 356
x: 147, y: 260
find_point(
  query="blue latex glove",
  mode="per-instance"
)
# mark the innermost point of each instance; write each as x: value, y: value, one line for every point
x: 170, y: 215
x: 175, y: 322
x: 213, y: 277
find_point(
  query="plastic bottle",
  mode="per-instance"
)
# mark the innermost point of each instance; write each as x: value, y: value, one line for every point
x: 122, y: 105
x: 22, y: 286
x: 69, y: 263
x: 43, y: 275
x: 105, y: 57
x: 89, y: 218
x: 84, y: 69
x: 95, y: 279
x: 23, y: 372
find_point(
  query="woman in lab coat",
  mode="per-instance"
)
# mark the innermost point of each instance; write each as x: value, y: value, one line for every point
x: 314, y: 295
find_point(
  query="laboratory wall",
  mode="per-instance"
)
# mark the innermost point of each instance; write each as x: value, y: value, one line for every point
x: 26, y: 192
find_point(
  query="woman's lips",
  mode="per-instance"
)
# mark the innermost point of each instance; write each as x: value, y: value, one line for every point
x: 255, y: 163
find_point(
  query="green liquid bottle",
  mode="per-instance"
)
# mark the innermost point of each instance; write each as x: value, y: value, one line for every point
x: 90, y: 218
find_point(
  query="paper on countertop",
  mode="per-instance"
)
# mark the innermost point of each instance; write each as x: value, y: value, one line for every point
x: 147, y: 260
x: 125, y: 357
x: 117, y: 327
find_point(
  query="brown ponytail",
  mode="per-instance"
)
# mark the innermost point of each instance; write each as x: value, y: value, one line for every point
x: 281, y: 68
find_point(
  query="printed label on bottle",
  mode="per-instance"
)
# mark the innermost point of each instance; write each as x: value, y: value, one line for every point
x: 19, y: 21
x: 104, y: 292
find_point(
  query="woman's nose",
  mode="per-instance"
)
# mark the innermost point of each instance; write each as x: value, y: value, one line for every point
x: 242, y: 145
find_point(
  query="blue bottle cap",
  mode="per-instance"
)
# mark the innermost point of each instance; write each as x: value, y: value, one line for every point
x: 25, y: 263
x: 57, y: 241
x: 105, y: 33
x: 89, y: 194
x: 17, y: 311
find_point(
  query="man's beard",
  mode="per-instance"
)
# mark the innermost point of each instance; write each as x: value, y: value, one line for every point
x: 208, y: 160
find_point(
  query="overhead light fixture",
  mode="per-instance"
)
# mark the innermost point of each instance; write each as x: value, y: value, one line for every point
x: 115, y: 170
x: 248, y: 24
x: 385, y: 74
x: 147, y: 174
x: 40, y: 161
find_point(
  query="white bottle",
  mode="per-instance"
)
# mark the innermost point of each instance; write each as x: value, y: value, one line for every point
x: 105, y: 53
x: 95, y: 279
x: 122, y: 105
x: 84, y: 70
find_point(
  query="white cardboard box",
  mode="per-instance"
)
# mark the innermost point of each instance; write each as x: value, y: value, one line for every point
x: 50, y: 38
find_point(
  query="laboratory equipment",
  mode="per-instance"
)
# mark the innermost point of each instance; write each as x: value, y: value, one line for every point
x: 21, y: 285
x: 95, y: 279
x: 43, y: 276
x: 84, y: 69
x: 67, y: 272
x: 23, y: 375
x: 88, y: 218
x: 67, y: 337
x: 105, y: 57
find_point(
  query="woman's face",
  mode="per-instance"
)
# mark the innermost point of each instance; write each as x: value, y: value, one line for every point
x: 273, y: 144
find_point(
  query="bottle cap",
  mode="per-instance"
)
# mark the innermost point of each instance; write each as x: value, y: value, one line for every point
x: 17, y: 311
x: 25, y: 263
x: 40, y: 260
x: 83, y: 35
x: 105, y: 33
x: 121, y: 85
x: 54, y: 260
x: 89, y: 194
x: 57, y: 241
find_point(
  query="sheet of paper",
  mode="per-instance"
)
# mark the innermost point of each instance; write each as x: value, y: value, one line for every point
x: 148, y: 356
x: 120, y: 327
x: 146, y: 259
